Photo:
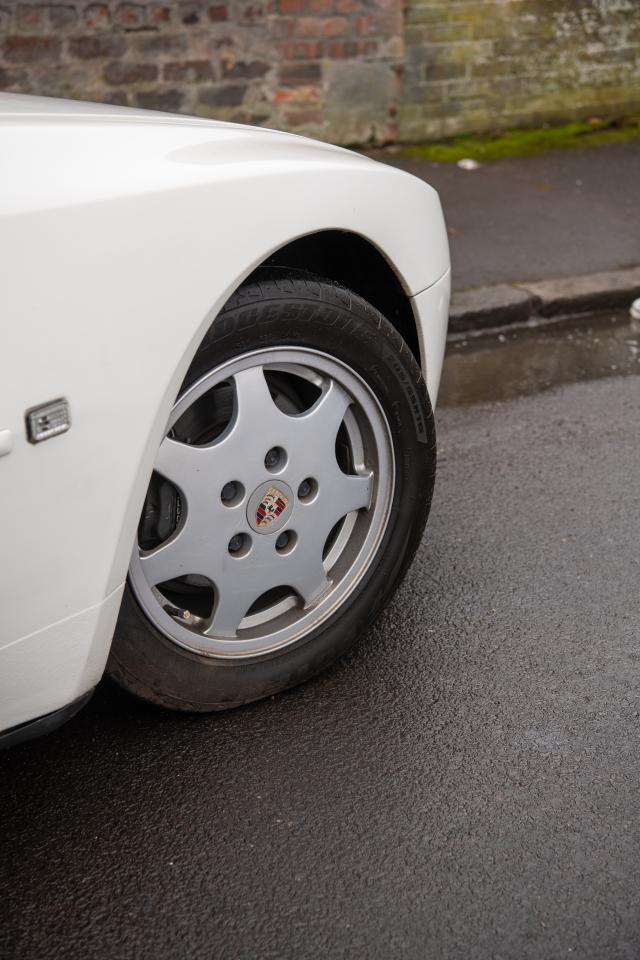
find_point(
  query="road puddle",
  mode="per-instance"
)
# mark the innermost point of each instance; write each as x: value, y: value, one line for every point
x: 524, y: 361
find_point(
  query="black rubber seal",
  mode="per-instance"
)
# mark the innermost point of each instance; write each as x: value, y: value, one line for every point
x: 41, y: 725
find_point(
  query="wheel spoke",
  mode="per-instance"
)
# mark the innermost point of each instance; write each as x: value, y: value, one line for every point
x: 309, y: 577
x: 254, y: 401
x: 322, y: 421
x: 182, y: 463
x: 165, y: 562
x: 232, y: 603
x: 339, y: 495
x: 352, y: 492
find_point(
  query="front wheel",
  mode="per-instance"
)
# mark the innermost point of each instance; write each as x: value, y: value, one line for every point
x: 287, y: 499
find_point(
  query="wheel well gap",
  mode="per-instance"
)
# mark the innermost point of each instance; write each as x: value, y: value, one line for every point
x: 357, y: 264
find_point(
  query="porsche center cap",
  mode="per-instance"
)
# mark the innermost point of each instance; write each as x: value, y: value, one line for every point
x: 270, y: 506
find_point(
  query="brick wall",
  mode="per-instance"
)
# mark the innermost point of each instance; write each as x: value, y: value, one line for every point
x: 329, y: 68
x: 351, y: 71
x: 476, y: 65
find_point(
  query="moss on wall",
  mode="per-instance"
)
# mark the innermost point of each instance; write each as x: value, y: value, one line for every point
x: 479, y: 65
x: 522, y: 142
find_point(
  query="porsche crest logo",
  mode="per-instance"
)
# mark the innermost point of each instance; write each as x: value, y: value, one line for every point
x: 271, y: 506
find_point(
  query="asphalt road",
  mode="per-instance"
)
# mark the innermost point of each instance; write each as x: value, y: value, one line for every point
x: 465, y: 785
x: 559, y: 214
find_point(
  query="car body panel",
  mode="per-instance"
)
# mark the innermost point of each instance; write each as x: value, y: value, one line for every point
x: 122, y: 235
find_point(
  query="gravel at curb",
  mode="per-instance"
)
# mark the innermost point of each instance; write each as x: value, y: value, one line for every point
x: 490, y: 307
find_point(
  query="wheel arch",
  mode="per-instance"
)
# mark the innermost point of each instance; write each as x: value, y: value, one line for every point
x: 354, y: 262
x: 343, y: 256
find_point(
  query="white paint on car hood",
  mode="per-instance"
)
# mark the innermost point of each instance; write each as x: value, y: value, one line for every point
x: 15, y: 106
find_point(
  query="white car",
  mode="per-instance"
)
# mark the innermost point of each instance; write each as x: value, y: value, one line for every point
x: 220, y: 350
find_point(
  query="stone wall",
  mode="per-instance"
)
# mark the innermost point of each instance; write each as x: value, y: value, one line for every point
x: 329, y: 68
x: 478, y: 65
x: 351, y: 71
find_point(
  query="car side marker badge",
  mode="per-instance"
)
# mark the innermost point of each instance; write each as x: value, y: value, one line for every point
x: 48, y: 420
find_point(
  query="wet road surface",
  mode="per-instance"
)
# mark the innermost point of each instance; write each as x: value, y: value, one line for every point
x: 465, y: 784
x: 525, y: 360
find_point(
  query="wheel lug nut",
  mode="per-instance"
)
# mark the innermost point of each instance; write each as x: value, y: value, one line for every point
x: 228, y: 491
x: 286, y: 541
x: 235, y: 543
x: 232, y: 493
x: 274, y: 458
x: 307, y: 490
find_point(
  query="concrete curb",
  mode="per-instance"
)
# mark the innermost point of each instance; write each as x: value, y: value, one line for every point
x: 490, y: 307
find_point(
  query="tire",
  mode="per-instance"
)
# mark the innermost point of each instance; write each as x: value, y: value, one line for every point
x: 287, y: 313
